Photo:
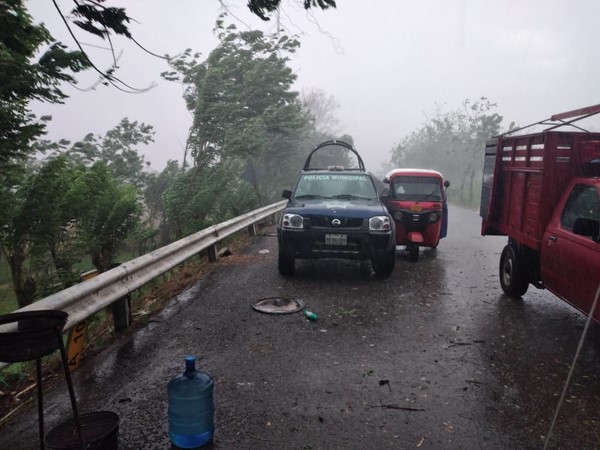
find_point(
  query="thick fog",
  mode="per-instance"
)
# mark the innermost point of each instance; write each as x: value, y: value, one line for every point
x: 389, y: 64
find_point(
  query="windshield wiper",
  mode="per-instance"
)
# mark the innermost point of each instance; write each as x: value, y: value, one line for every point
x: 427, y: 196
x: 352, y: 197
x: 308, y: 196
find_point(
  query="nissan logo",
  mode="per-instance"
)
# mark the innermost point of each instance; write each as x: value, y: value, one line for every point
x: 336, y: 222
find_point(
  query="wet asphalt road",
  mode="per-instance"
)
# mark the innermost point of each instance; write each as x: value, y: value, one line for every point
x: 433, y: 358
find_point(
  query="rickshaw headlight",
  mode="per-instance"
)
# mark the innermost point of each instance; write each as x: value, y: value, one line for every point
x: 433, y: 217
x: 379, y: 223
x: 292, y: 221
x: 398, y: 215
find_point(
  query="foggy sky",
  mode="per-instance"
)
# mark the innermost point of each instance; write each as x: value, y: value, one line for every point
x: 387, y: 63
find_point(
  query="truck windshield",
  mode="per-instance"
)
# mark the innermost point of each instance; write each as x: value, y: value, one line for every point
x: 417, y: 189
x: 341, y: 186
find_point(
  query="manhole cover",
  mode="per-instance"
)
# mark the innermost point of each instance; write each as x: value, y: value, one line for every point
x: 278, y: 305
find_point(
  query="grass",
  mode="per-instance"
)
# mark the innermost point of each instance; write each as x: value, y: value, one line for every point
x: 4, y: 271
x: 8, y: 300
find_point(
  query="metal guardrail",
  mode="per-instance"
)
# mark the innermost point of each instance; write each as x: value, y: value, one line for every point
x: 85, y: 299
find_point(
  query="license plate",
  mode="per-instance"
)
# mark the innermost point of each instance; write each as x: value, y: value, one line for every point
x: 336, y: 239
x: 416, y: 208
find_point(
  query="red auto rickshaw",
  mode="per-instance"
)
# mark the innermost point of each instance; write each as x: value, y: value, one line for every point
x: 417, y: 201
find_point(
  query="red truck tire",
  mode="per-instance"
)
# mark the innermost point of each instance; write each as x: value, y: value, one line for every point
x: 513, y: 272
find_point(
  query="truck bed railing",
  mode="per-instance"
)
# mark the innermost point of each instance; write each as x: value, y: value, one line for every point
x: 558, y: 120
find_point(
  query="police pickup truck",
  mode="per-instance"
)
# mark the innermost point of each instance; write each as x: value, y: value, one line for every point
x: 334, y: 211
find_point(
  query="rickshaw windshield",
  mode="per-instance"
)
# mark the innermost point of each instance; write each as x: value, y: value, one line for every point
x: 417, y: 189
x: 343, y: 186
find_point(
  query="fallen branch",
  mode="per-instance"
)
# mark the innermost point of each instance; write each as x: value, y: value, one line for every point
x: 392, y: 406
x: 12, y: 412
x: 263, y: 439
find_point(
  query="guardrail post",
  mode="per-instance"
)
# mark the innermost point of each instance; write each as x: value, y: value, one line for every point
x: 212, y: 253
x: 252, y: 229
x: 121, y: 310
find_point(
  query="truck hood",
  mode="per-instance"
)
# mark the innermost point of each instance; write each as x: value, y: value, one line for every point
x: 339, y: 208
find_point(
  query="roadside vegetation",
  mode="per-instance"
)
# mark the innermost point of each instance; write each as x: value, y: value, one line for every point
x: 453, y: 142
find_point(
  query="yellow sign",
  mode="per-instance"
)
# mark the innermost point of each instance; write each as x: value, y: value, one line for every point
x: 75, y: 347
x: 77, y: 334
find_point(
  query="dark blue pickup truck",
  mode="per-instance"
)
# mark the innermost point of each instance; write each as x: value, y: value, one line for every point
x: 334, y: 211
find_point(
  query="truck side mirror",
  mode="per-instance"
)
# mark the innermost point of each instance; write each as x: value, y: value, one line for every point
x: 587, y: 227
x: 446, y: 184
x: 286, y: 194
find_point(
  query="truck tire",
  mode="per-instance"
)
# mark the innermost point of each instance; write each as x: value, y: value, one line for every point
x: 513, y: 274
x: 286, y: 262
x: 383, y: 265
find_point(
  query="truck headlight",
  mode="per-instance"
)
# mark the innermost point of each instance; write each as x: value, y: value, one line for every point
x: 292, y: 221
x: 379, y: 223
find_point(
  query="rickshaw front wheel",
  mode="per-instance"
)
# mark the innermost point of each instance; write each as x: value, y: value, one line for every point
x: 413, y: 251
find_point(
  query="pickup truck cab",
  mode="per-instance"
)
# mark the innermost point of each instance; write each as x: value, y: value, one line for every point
x: 573, y: 235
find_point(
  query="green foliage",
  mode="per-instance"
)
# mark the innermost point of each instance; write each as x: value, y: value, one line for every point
x: 198, y: 199
x: 54, y: 208
x: 16, y: 224
x: 452, y: 143
x: 117, y: 149
x: 8, y: 301
x: 24, y: 78
x: 263, y: 7
x: 113, y: 211
x: 240, y: 96
x: 156, y: 185
x: 248, y: 125
x: 56, y: 214
x: 145, y: 238
x: 100, y: 20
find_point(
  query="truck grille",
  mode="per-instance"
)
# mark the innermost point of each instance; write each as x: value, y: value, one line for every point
x: 346, y: 222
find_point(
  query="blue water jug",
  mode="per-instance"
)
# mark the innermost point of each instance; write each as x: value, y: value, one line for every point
x: 191, y: 407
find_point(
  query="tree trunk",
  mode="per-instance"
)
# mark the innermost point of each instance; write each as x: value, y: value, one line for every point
x: 23, y: 286
x: 64, y: 268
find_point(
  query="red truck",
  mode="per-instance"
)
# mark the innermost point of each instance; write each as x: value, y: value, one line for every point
x: 542, y: 190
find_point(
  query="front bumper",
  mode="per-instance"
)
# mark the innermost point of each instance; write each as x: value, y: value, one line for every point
x: 311, y: 243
